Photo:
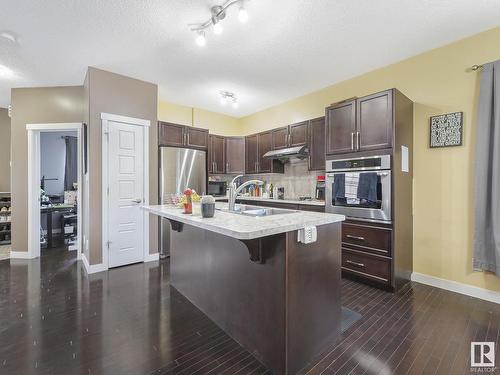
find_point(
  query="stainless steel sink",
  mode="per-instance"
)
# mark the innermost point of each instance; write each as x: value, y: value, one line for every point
x: 243, y: 209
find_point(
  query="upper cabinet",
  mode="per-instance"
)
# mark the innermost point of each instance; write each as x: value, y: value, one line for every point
x: 235, y: 155
x: 341, y: 127
x: 182, y: 136
x: 361, y: 124
x: 298, y: 134
x: 256, y: 146
x: 375, y: 121
x: 216, y: 154
x: 290, y: 136
x: 317, y: 144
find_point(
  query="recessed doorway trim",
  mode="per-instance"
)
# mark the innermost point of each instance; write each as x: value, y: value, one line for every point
x: 105, y: 119
x: 34, y: 166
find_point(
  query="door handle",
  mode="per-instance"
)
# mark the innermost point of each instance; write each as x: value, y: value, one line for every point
x: 352, y: 141
x: 137, y: 200
x: 355, y: 237
x: 361, y: 265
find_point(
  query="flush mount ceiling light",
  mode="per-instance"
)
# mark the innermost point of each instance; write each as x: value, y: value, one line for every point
x: 218, y: 13
x: 227, y: 97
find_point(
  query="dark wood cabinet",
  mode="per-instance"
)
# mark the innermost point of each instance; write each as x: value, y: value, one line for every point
x: 290, y: 136
x: 298, y: 134
x: 235, y: 155
x: 256, y: 146
x: 341, y: 127
x: 317, y: 144
x: 216, y: 155
x: 374, y: 121
x: 251, y: 153
x: 280, y: 138
x: 170, y: 134
x: 362, y: 124
x: 265, y: 141
x: 196, y: 137
x: 182, y: 136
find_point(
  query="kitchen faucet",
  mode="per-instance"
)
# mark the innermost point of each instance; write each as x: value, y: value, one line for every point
x: 234, y: 191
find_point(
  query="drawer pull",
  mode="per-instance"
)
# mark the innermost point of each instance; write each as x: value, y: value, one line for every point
x: 355, y: 237
x: 361, y: 265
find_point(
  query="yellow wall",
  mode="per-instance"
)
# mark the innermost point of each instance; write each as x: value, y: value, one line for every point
x: 443, y: 178
x: 217, y: 123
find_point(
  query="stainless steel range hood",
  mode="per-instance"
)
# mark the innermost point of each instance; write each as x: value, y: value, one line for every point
x: 299, y: 152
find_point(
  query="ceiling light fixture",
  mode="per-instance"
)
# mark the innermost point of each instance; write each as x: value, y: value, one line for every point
x: 218, y: 13
x: 10, y: 37
x: 227, y: 97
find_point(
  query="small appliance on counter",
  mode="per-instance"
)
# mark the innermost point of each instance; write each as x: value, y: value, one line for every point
x: 281, y: 193
x: 217, y: 188
x: 320, y: 188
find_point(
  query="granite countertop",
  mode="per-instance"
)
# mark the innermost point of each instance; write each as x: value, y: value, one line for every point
x: 245, y: 227
x: 292, y: 201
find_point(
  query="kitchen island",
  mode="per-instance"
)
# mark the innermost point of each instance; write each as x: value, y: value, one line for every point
x: 279, y: 298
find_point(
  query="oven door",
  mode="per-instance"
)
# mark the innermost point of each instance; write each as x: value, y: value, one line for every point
x: 365, y: 210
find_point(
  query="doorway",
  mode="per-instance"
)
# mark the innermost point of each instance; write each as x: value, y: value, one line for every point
x: 125, y: 189
x: 54, y: 187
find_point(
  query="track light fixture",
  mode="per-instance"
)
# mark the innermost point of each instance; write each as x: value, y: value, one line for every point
x: 218, y: 13
x: 227, y: 97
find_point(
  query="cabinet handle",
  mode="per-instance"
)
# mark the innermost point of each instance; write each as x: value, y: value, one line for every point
x: 352, y: 141
x: 187, y: 138
x: 355, y: 237
x: 358, y: 141
x: 361, y: 265
x: 227, y: 166
x: 216, y: 170
x: 288, y: 139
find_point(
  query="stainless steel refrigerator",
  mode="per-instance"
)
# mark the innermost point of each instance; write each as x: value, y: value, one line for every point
x: 180, y: 168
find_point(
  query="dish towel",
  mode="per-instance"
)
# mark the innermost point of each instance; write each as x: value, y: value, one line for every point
x: 351, y: 188
x: 367, y: 187
x: 339, y: 186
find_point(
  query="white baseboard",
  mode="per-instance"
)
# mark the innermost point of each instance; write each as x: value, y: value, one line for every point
x: 152, y: 257
x: 94, y: 268
x: 453, y: 286
x: 21, y: 255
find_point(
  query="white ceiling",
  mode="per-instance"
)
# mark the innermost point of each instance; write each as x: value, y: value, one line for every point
x: 288, y: 47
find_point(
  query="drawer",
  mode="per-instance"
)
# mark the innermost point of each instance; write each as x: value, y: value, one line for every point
x: 372, y: 267
x: 367, y: 238
x: 311, y: 207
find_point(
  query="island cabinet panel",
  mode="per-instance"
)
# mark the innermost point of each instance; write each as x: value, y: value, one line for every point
x: 312, y: 319
x: 235, y: 155
x: 317, y: 161
x: 276, y: 308
x: 374, y: 121
x: 265, y: 141
x: 251, y: 153
x: 170, y: 134
x: 216, y: 155
x: 280, y: 138
x: 341, y: 127
x: 298, y: 134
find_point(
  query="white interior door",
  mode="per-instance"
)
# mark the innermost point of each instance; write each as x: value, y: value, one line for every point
x: 126, y: 193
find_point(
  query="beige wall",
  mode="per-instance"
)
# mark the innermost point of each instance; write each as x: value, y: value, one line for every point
x: 35, y: 105
x: 443, y: 178
x: 217, y: 123
x: 116, y: 94
x: 4, y: 150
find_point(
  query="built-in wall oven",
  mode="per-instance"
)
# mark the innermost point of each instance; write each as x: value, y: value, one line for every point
x: 374, y: 170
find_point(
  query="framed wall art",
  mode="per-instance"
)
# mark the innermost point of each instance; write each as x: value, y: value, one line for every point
x: 446, y: 130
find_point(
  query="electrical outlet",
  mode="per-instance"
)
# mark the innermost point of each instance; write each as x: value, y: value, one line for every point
x: 307, y: 235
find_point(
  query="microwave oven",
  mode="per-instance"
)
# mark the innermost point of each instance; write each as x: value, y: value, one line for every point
x: 217, y: 188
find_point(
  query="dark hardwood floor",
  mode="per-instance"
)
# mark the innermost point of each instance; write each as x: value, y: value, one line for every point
x: 54, y: 319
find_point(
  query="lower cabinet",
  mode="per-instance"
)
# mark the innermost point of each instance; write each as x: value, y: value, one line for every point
x: 288, y: 206
x: 367, y: 253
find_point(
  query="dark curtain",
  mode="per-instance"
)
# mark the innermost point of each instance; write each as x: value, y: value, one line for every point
x: 487, y: 200
x: 71, y: 168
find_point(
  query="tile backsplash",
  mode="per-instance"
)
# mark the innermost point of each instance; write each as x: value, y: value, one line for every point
x: 297, y: 180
